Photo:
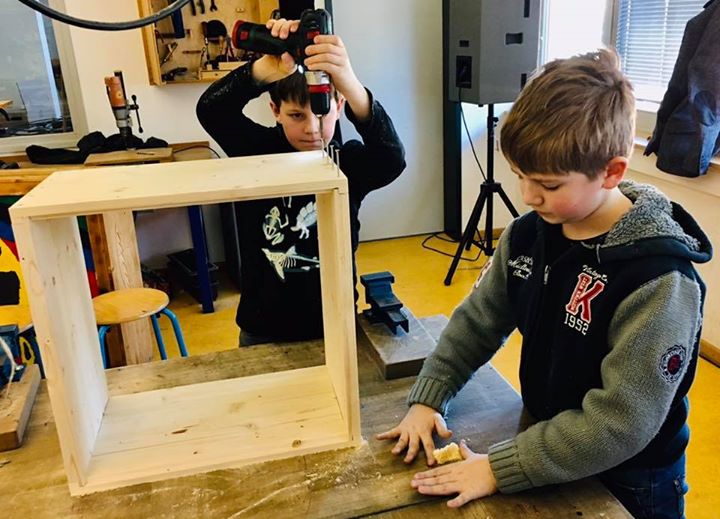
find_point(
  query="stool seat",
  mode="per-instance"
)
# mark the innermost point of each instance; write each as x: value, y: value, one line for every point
x: 128, y: 304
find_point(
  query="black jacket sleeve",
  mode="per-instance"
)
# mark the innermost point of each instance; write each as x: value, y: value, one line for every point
x: 220, y: 112
x: 379, y: 159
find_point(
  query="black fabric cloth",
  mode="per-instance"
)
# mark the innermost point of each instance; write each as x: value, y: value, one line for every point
x: 94, y: 142
x: 280, y: 282
x: 687, y: 133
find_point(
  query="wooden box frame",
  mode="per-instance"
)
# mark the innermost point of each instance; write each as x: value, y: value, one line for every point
x: 113, y: 441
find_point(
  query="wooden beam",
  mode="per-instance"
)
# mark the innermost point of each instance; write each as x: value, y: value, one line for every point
x: 125, y: 268
x: 54, y: 269
x: 15, y: 408
x: 335, y: 249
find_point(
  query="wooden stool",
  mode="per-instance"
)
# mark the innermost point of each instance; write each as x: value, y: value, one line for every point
x: 130, y: 304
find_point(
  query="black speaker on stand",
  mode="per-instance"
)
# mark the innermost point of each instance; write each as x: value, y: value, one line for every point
x: 491, y: 49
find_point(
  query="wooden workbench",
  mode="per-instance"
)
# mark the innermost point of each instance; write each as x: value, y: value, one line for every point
x: 351, y: 482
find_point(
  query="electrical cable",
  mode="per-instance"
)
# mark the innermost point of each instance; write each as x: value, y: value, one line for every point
x: 199, y: 146
x: 104, y: 26
x: 467, y: 131
x: 439, y: 237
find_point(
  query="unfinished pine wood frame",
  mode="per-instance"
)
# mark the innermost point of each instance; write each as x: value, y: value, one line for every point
x: 112, y: 441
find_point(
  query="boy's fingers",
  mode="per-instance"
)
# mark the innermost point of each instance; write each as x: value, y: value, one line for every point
x: 438, y: 490
x: 465, y: 450
x: 432, y: 473
x: 413, y: 449
x: 429, y: 448
x: 401, y: 444
x: 388, y: 435
x: 441, y: 427
x: 460, y: 500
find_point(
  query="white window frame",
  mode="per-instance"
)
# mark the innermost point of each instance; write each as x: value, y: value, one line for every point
x: 646, y: 111
x: 17, y: 145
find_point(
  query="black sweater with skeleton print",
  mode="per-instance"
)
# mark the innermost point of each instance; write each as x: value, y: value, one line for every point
x: 280, y: 287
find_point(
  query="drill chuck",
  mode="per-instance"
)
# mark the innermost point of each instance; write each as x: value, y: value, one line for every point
x: 319, y: 90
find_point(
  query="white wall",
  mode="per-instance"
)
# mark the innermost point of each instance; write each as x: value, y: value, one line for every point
x: 396, y: 51
x: 397, y: 61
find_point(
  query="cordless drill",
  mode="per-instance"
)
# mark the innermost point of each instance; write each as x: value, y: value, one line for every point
x: 115, y: 87
x: 257, y: 38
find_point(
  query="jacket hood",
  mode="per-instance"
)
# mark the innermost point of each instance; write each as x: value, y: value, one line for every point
x: 654, y: 226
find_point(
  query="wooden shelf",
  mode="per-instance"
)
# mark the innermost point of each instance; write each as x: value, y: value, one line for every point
x: 109, y: 441
x: 219, y: 424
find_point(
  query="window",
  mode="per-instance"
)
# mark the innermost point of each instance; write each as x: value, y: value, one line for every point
x: 573, y: 27
x: 35, y: 69
x: 647, y: 37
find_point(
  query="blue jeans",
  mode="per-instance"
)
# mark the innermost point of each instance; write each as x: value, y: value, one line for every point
x: 657, y: 493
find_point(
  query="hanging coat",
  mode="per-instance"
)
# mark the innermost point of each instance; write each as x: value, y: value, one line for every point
x: 688, y: 121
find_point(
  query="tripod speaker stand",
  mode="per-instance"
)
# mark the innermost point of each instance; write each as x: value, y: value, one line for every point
x: 484, y: 200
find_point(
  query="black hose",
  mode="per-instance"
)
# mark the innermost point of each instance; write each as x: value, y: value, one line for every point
x: 104, y: 26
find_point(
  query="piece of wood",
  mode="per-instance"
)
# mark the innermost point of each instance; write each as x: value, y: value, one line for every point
x: 15, y: 408
x: 51, y: 258
x: 400, y: 355
x: 128, y: 304
x: 54, y: 268
x: 343, y: 483
x: 117, y: 158
x: 335, y: 249
x: 213, y: 425
x: 5, y: 103
x: 126, y: 272
x: 179, y: 184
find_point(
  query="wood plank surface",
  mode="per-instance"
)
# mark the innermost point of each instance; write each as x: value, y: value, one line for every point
x: 345, y: 483
x: 15, y: 408
x: 178, y: 184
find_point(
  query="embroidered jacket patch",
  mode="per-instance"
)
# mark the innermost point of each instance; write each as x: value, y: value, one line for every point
x: 672, y: 362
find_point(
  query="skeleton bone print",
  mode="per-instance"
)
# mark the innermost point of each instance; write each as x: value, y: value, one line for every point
x: 275, y: 229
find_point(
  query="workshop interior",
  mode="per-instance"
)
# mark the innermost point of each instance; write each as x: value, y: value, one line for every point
x: 128, y: 386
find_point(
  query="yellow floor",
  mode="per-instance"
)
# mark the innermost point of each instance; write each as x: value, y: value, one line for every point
x: 419, y: 275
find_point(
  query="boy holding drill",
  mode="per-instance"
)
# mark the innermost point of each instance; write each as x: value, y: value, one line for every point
x: 280, y: 293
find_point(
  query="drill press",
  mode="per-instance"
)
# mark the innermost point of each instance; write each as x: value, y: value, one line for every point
x: 115, y: 87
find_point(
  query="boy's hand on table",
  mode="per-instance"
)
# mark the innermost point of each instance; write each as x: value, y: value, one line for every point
x: 471, y: 479
x: 415, y: 428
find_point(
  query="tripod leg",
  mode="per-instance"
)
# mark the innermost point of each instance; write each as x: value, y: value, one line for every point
x: 488, y: 238
x: 507, y: 201
x: 468, y: 234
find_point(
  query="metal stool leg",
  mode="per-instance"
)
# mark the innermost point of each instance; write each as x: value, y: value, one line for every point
x: 158, y: 337
x: 177, y: 330
x: 102, y: 332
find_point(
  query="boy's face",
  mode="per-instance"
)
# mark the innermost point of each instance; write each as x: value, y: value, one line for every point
x: 302, y: 127
x: 563, y: 198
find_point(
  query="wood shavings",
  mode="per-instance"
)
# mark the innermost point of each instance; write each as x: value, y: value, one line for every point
x: 447, y: 454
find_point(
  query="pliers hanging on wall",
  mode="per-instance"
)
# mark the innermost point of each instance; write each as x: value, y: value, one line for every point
x: 201, y: 5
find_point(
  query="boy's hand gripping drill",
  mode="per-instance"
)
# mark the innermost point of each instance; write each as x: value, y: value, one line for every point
x: 257, y: 38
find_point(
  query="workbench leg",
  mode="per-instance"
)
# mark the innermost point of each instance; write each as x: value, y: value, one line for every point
x: 197, y: 229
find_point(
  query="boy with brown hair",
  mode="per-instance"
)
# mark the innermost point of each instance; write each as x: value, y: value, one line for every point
x: 280, y: 282
x: 598, y: 279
